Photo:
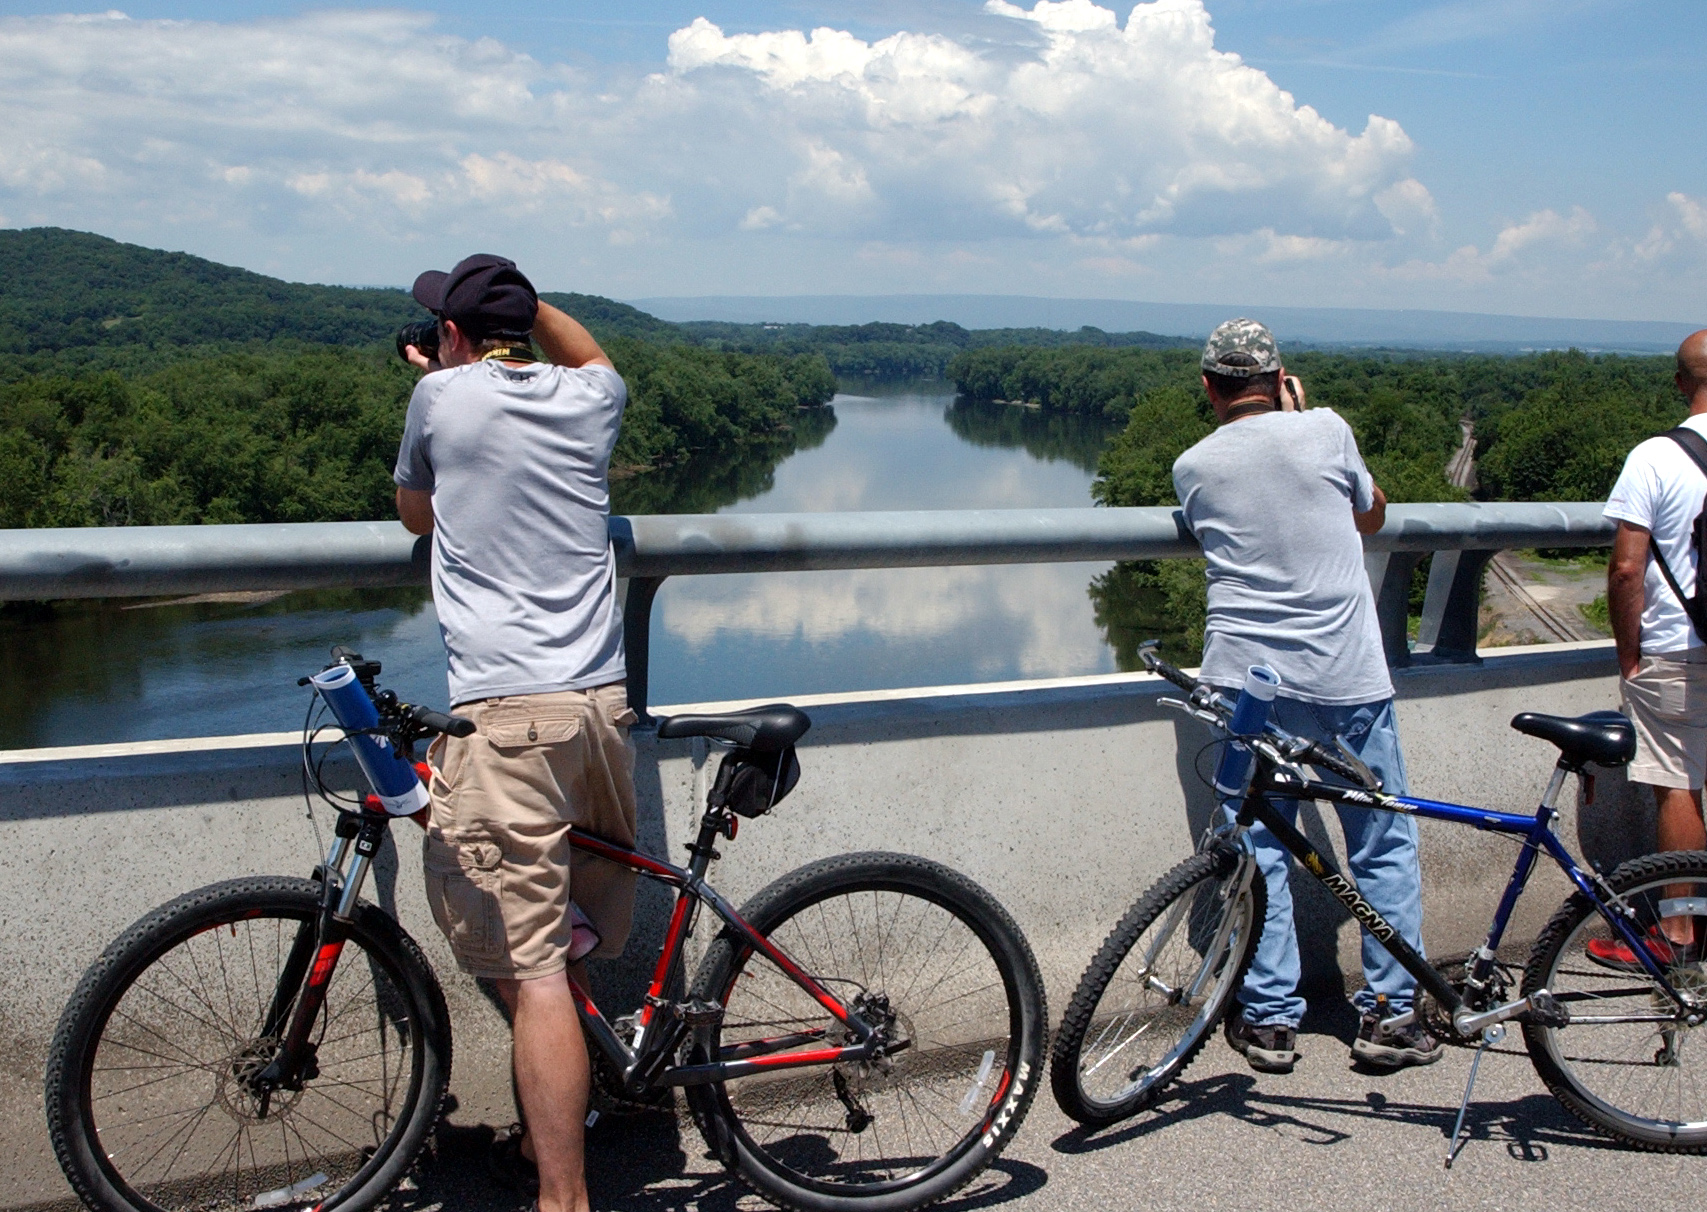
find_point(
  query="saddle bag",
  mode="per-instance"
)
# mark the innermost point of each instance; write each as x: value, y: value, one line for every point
x: 751, y: 784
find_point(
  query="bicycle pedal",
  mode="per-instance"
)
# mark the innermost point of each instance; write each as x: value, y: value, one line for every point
x: 1545, y: 1010
x: 697, y: 1013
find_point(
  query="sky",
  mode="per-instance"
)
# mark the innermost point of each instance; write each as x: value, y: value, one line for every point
x: 1531, y: 157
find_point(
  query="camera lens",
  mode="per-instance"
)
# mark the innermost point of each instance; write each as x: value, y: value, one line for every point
x: 422, y: 334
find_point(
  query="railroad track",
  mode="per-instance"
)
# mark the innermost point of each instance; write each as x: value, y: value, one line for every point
x: 1461, y: 467
x: 1555, y: 623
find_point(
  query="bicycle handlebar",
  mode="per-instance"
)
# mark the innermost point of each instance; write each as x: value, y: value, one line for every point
x: 1156, y: 664
x: 437, y: 721
x: 1292, y: 749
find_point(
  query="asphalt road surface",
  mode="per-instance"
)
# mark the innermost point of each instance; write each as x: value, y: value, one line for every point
x: 1327, y: 1135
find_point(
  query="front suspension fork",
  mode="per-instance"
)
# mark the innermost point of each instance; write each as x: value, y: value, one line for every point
x: 300, y: 994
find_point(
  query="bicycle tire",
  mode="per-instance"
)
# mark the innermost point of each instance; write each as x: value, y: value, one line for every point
x: 144, y: 1008
x: 931, y: 1097
x: 1205, y: 882
x: 1638, y: 1056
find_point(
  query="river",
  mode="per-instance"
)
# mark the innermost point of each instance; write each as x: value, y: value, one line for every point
x: 86, y: 673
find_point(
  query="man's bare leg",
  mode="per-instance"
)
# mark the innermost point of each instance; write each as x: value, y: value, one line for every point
x: 553, y: 1079
x: 1680, y: 828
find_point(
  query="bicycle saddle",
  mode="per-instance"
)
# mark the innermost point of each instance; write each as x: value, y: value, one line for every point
x: 762, y: 729
x: 1606, y: 738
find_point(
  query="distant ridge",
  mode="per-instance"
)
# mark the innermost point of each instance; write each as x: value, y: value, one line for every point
x: 1330, y: 326
x: 64, y: 290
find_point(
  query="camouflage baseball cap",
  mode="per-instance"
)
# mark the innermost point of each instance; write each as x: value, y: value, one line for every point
x: 1241, y: 348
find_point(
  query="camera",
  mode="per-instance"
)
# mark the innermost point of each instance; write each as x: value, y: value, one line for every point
x: 423, y: 335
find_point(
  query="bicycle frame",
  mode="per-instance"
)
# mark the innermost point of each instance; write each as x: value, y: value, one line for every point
x: 1536, y: 831
x: 660, y: 1029
x: 646, y: 1061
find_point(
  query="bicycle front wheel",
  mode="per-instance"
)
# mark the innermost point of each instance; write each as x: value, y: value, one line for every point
x: 1629, y: 1064
x: 151, y: 1101
x: 937, y: 964
x: 1155, y: 991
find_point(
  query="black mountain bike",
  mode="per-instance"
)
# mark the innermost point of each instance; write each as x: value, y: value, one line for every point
x: 865, y: 1034
x: 1616, y: 1047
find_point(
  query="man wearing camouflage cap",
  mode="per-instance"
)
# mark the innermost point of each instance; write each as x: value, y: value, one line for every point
x: 1279, y: 497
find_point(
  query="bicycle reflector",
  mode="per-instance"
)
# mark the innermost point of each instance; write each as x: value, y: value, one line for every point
x: 1250, y: 715
x: 394, y: 779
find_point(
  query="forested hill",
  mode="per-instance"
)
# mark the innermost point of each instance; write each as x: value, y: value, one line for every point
x: 73, y: 301
x: 64, y: 291
x: 905, y: 351
x: 144, y: 387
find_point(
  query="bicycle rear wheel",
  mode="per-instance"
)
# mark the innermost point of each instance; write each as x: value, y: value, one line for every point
x: 1155, y: 991
x: 1629, y: 1064
x: 911, y: 945
x: 149, y: 1101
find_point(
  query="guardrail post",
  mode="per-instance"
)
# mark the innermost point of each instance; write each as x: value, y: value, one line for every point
x: 637, y: 596
x: 1451, y: 608
x: 1390, y: 581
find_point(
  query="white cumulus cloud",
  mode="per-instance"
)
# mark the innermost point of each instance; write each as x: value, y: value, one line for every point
x: 369, y: 119
x: 1691, y: 213
x: 1104, y: 130
x: 1078, y: 125
x: 1531, y: 244
x: 1057, y: 147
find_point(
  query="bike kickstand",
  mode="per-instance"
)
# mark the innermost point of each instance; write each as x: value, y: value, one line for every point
x: 1490, y: 1037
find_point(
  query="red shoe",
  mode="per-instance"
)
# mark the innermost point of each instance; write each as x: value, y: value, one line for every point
x: 1613, y: 953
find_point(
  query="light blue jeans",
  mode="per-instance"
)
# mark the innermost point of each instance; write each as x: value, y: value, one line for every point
x: 1381, y: 846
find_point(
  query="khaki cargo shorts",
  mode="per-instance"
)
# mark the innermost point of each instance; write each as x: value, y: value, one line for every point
x: 498, y: 862
x: 1667, y: 701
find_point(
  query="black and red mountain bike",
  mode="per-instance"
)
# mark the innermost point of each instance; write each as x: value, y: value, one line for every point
x: 866, y: 1033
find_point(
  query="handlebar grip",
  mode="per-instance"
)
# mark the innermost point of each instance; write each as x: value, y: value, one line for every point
x: 1157, y: 665
x: 438, y: 721
x: 1356, y: 773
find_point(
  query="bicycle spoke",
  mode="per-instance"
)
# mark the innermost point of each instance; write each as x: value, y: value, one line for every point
x: 911, y: 967
x: 171, y: 1097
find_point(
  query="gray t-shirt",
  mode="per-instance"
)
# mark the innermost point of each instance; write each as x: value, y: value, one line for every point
x: 517, y: 460
x: 1270, y: 498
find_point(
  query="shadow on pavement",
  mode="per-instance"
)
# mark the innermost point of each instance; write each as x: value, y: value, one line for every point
x: 640, y: 1163
x: 1528, y: 1127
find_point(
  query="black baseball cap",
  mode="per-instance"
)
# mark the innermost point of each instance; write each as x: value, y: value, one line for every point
x: 486, y: 295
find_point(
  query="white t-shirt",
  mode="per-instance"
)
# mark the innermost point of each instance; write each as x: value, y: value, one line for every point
x: 1661, y: 490
x: 517, y: 459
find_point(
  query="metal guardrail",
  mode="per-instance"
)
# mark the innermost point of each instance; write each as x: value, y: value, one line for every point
x: 142, y: 561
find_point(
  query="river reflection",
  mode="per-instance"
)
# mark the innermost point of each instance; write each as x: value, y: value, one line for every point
x: 81, y: 673
x: 725, y: 637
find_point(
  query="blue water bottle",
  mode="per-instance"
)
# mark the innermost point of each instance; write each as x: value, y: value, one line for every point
x: 393, y: 777
x: 1250, y: 714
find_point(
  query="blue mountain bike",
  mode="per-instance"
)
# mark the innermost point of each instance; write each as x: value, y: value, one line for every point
x: 1615, y: 1044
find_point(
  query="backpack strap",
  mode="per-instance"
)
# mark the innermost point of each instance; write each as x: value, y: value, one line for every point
x: 1695, y: 446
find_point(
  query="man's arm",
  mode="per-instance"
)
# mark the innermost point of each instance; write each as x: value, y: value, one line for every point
x: 1375, y: 516
x: 416, y: 509
x: 564, y: 341
x: 1625, y: 574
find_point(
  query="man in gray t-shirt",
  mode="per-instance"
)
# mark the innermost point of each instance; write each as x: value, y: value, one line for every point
x: 1279, y: 498
x: 504, y: 461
